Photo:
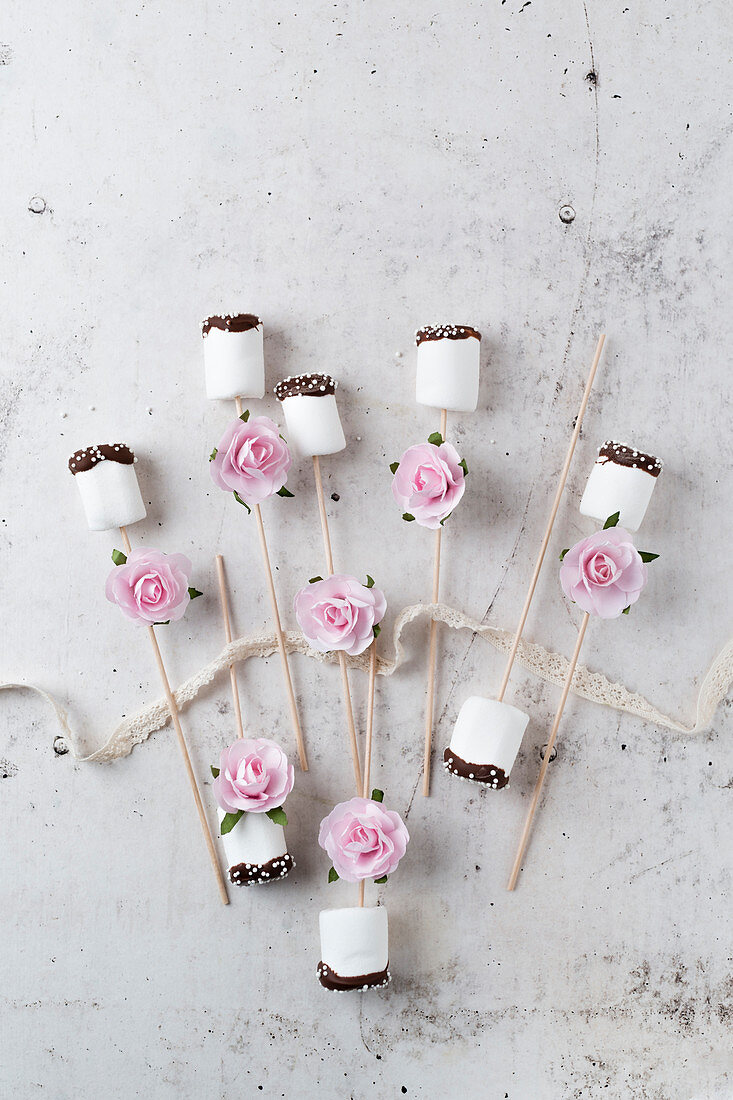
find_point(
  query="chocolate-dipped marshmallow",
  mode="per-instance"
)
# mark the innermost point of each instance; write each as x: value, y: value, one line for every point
x: 622, y: 480
x: 234, y: 357
x: 106, y: 479
x: 485, y: 741
x: 448, y: 367
x: 311, y: 414
x: 354, y: 948
x: 256, y: 851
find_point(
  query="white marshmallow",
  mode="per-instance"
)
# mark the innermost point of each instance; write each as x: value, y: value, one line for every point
x: 448, y: 371
x: 234, y: 363
x: 311, y: 414
x: 110, y: 494
x: 620, y: 486
x: 487, y: 735
x: 255, y: 839
x: 355, y: 942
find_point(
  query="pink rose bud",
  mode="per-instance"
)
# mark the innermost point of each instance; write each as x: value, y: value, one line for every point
x: 254, y: 775
x: 429, y: 482
x: 603, y: 574
x: 251, y: 459
x: 151, y: 587
x: 339, y: 613
x: 363, y: 839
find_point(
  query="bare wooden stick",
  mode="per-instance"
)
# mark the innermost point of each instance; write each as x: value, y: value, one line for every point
x: 173, y: 707
x: 368, y: 743
x: 341, y: 656
x: 285, y: 664
x: 228, y: 636
x: 432, y: 645
x: 551, y: 520
x: 524, y: 840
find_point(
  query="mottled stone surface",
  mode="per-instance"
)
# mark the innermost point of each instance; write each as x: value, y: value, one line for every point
x: 351, y: 171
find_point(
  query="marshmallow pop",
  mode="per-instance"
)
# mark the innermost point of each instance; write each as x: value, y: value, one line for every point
x: 256, y: 851
x: 354, y: 948
x: 447, y: 378
x: 622, y: 480
x: 107, y: 482
x: 488, y: 732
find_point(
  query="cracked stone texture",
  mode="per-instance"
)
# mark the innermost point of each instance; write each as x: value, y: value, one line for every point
x: 352, y: 171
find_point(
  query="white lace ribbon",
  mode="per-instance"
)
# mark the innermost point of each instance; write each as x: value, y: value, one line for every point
x: 547, y: 665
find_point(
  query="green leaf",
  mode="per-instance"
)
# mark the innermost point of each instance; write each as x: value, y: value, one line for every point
x: 229, y: 821
x: 314, y: 580
x: 377, y: 630
x: 242, y: 502
x: 194, y: 593
x: 394, y: 467
x: 369, y: 582
x: 244, y: 416
x: 213, y: 454
x: 118, y: 557
x: 564, y: 552
x: 436, y: 438
x: 332, y: 874
x: 646, y: 556
x: 285, y: 492
x: 163, y: 623
x: 445, y: 518
x: 377, y: 795
x: 464, y: 467
x: 379, y: 881
x: 407, y: 517
x: 626, y: 610
x: 277, y: 815
x: 215, y: 772
x: 611, y: 521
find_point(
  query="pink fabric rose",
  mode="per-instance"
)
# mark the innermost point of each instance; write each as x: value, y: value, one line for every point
x: 251, y: 459
x: 254, y: 775
x: 151, y: 587
x: 603, y: 574
x: 429, y: 482
x: 363, y: 839
x: 339, y: 613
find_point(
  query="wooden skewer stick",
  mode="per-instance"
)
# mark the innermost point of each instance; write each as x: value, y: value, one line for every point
x: 294, y: 717
x: 342, y: 656
x: 551, y: 520
x: 173, y: 707
x: 368, y: 743
x: 433, y: 645
x: 524, y: 840
x: 228, y: 636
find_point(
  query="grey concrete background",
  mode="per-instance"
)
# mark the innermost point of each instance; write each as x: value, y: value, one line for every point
x: 351, y: 170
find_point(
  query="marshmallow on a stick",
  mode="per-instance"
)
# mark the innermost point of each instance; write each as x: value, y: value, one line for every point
x: 256, y: 851
x: 354, y: 948
x: 485, y: 741
x: 311, y: 414
x: 106, y: 479
x: 448, y: 358
x: 234, y: 357
x: 622, y: 480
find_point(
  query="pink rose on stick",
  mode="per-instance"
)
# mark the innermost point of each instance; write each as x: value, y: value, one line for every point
x: 340, y: 613
x: 151, y: 587
x: 363, y: 839
x: 429, y: 480
x: 604, y: 573
x: 251, y: 460
x: 254, y: 776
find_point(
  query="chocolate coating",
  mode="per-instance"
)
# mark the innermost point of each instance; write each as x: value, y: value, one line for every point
x: 237, y: 322
x: 445, y: 332
x: 259, y: 874
x: 305, y: 385
x: 329, y: 979
x: 488, y: 774
x: 89, y: 457
x: 624, y: 455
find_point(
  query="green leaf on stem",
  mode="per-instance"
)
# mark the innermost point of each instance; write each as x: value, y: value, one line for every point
x: 464, y: 467
x: 564, y: 552
x: 379, y: 881
x: 394, y: 467
x: 213, y: 454
x: 229, y: 821
x: 285, y: 492
x: 118, y: 557
x: 377, y: 795
x: 436, y: 439
x: 369, y: 582
x: 332, y: 874
x: 611, y: 521
x: 194, y: 593
x: 646, y: 556
x: 314, y: 580
x: 626, y: 610
x: 215, y: 771
x: 377, y: 630
x: 244, y: 416
x: 407, y: 517
x: 277, y: 815
x: 242, y: 502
